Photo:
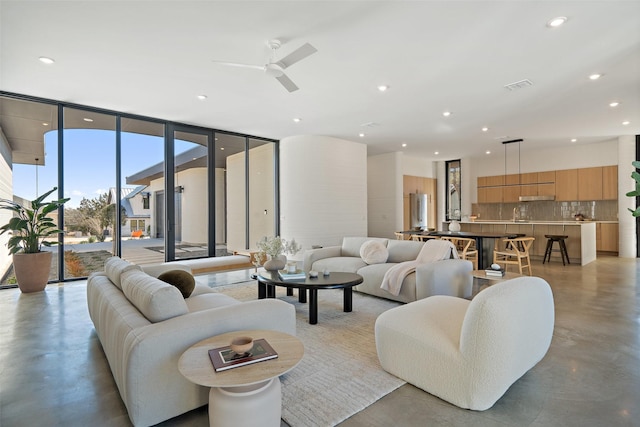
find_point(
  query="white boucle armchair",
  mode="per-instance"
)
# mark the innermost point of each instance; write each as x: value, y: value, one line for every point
x: 469, y: 352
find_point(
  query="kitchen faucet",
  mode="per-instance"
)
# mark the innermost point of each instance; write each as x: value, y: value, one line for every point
x: 515, y: 214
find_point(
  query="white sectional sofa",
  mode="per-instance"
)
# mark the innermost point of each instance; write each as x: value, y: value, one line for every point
x: 447, y: 277
x: 145, y: 324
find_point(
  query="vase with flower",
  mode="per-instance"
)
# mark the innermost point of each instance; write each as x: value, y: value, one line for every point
x: 274, y: 249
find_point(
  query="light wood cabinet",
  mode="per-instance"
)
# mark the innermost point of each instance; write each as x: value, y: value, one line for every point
x: 610, y: 182
x: 529, y: 190
x: 512, y: 179
x: 567, y: 185
x: 607, y: 237
x: 490, y: 195
x: 511, y: 193
x: 529, y: 178
x: 547, y: 177
x: 546, y: 189
x: 494, y: 180
x: 590, y: 184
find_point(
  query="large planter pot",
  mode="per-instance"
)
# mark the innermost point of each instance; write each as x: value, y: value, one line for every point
x: 32, y: 271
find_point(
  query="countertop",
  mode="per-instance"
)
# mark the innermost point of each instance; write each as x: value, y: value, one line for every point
x: 534, y: 222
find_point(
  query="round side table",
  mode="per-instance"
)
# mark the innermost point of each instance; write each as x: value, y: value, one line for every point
x: 248, y: 395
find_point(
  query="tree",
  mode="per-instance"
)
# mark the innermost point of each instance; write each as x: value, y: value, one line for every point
x: 93, y: 216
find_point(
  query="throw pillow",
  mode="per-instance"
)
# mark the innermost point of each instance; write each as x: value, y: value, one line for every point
x: 374, y: 252
x: 183, y: 280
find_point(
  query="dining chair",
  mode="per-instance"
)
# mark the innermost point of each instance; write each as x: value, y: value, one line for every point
x: 399, y: 235
x: 466, y: 248
x: 422, y: 237
x: 515, y: 253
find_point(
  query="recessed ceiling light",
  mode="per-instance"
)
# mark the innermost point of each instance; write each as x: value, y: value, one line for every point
x: 487, y: 152
x: 595, y: 76
x: 556, y: 22
x: 574, y: 140
x: 46, y: 60
x: 45, y: 124
x: 297, y: 119
x: 404, y: 144
x: 614, y: 104
x: 484, y: 129
x: 446, y: 113
x: 86, y: 119
x: 436, y: 152
x: 202, y: 97
x: 361, y: 135
x: 383, y: 88
x: 221, y: 148
x: 626, y: 122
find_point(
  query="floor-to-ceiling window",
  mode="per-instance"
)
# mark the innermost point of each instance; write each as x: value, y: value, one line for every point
x: 219, y: 198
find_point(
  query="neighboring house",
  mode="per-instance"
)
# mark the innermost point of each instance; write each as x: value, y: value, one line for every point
x: 135, y: 202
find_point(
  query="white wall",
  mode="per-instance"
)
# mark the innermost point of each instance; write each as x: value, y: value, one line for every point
x: 417, y: 166
x: 384, y: 194
x: 221, y: 207
x: 6, y: 192
x: 195, y: 212
x: 323, y: 190
x: 626, y: 222
x: 236, y: 206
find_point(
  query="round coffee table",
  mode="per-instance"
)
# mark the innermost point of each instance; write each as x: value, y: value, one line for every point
x: 248, y: 395
x: 268, y: 280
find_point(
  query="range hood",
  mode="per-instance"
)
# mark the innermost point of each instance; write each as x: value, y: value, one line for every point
x: 535, y: 198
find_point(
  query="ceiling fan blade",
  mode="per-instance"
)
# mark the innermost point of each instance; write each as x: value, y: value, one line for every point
x: 287, y: 83
x: 235, y: 64
x: 297, y: 55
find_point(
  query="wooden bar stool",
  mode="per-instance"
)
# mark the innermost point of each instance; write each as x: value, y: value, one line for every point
x: 563, y: 248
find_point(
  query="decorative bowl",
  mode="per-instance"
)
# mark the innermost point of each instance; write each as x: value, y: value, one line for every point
x: 241, y: 345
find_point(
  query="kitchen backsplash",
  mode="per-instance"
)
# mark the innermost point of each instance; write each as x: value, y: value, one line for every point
x: 602, y: 210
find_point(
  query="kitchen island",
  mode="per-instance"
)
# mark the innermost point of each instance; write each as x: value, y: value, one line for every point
x: 581, y: 244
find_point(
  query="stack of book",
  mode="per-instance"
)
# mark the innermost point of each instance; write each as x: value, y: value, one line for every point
x: 297, y: 275
x: 494, y: 273
x: 224, y: 358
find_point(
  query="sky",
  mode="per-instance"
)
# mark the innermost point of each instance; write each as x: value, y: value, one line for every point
x: 89, y: 163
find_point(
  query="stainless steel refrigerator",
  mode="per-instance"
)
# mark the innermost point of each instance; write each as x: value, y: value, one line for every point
x: 418, y: 210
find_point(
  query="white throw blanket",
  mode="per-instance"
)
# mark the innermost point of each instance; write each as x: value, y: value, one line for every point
x: 433, y: 250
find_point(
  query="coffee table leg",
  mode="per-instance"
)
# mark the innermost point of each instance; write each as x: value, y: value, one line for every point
x: 348, y: 299
x: 302, y: 295
x: 271, y: 291
x: 289, y: 292
x: 262, y: 290
x: 313, y: 306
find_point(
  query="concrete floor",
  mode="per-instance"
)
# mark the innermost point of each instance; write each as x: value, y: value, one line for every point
x: 53, y: 371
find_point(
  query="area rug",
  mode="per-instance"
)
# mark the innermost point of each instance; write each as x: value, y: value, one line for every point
x: 339, y: 374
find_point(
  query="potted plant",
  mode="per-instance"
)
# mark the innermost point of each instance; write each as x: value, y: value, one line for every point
x: 28, y: 227
x: 635, y: 193
x: 275, y: 248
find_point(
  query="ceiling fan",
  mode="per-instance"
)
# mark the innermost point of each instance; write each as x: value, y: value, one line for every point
x: 276, y: 68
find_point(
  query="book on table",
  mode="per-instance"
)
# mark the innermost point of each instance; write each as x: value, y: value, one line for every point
x: 297, y: 275
x: 496, y: 273
x: 224, y: 358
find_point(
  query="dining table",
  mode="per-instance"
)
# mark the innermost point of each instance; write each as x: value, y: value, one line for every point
x: 485, y: 241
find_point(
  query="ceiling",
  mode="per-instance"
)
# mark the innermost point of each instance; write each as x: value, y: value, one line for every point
x: 154, y: 58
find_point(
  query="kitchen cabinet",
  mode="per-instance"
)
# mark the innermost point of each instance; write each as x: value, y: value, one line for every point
x: 546, y: 177
x: 567, y: 185
x: 610, y: 182
x: 548, y: 189
x: 607, y: 237
x: 529, y: 178
x: 490, y: 194
x: 590, y: 184
x: 512, y: 179
x: 510, y: 193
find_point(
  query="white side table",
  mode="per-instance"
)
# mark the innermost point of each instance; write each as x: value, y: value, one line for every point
x: 249, y: 395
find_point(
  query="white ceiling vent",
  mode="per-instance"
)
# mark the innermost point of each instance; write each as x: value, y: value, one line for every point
x: 519, y: 85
